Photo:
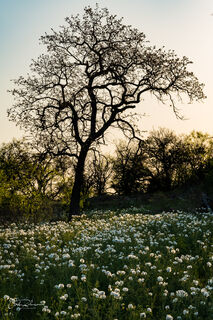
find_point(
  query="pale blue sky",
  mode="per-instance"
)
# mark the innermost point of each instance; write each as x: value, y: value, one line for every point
x: 183, y: 25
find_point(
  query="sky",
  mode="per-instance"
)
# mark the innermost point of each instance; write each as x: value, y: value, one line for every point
x: 185, y: 26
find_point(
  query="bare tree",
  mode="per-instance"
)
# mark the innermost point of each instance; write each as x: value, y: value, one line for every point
x: 100, y: 169
x: 95, y: 71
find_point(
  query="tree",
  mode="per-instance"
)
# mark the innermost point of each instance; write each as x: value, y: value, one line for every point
x: 130, y: 175
x: 199, y: 149
x: 98, y: 173
x: 167, y: 155
x: 29, y: 182
x: 95, y: 71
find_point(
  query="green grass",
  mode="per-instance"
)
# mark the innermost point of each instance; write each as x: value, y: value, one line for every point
x: 109, y: 265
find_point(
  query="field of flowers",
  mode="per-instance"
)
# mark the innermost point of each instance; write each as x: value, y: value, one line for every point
x: 109, y: 266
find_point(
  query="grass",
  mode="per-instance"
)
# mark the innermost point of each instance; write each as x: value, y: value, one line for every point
x: 109, y: 265
x: 186, y: 198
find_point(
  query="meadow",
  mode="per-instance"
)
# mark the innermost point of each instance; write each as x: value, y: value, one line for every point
x: 109, y: 265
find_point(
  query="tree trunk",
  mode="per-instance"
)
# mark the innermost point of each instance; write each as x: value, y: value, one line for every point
x: 78, y: 183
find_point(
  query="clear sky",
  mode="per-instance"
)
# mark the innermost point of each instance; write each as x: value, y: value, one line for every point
x: 183, y: 25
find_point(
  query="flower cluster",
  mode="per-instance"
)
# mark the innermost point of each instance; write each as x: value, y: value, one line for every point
x: 110, y: 266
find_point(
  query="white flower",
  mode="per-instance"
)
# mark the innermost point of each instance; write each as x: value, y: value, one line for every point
x: 169, y: 317
x: 143, y: 315
x: 83, y: 278
x: 59, y: 286
x: 116, y: 295
x: 181, y: 293
x: 64, y: 297
x: 84, y: 299
x: 45, y: 309
x: 205, y: 293
x: 130, y: 306
x: 168, y: 269
x: 159, y: 279
x: 185, y: 311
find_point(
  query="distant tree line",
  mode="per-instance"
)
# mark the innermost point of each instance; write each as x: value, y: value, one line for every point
x: 34, y: 185
x: 163, y: 161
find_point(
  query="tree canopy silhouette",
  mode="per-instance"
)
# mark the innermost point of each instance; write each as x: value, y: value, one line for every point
x: 95, y: 71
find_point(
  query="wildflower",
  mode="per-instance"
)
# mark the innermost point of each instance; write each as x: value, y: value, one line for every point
x: 168, y: 269
x: 185, y: 311
x: 75, y: 315
x: 83, y: 278
x: 169, y: 317
x: 116, y: 295
x: 143, y: 315
x: 71, y: 263
x: 46, y: 309
x: 165, y: 293
x: 205, y: 293
x: 130, y: 306
x: 181, y: 293
x: 64, y: 297
x: 84, y: 299
x: 59, y: 286
x: 159, y: 279
x: 120, y: 272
